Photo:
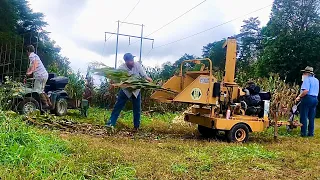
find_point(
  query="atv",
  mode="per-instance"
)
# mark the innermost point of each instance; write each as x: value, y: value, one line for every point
x: 30, y: 101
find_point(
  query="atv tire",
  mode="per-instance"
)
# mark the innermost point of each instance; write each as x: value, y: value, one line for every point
x: 61, y: 107
x: 28, y: 105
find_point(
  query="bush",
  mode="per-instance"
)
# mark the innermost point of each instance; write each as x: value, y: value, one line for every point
x: 76, y: 86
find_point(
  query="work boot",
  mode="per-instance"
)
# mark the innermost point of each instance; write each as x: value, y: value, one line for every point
x: 48, y: 100
x: 110, y: 129
x: 135, y: 130
x: 44, y: 101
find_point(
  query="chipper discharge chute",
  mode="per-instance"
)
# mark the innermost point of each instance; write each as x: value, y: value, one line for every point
x: 218, y: 106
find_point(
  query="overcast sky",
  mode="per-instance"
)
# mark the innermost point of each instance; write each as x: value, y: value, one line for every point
x: 78, y: 26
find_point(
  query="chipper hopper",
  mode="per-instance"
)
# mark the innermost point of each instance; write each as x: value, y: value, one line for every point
x: 217, y: 106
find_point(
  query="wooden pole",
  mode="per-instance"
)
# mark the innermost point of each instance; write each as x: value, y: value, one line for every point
x: 275, y: 136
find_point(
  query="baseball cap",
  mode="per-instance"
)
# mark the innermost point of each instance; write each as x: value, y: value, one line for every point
x: 128, y: 57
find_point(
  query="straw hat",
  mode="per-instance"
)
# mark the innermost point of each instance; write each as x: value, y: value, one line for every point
x: 308, y: 69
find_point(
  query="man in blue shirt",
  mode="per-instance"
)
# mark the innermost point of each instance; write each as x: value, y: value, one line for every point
x: 309, y: 101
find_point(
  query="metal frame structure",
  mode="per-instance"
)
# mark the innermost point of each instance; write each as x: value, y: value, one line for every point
x: 130, y: 36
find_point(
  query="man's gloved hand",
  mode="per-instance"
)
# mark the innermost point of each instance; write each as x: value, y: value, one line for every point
x: 149, y: 79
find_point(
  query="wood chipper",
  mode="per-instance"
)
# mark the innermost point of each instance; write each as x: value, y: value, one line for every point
x: 217, y: 106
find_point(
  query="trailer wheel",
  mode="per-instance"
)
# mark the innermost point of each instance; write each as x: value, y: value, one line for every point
x: 207, y: 132
x: 238, y: 133
x: 61, y: 108
x: 27, y: 105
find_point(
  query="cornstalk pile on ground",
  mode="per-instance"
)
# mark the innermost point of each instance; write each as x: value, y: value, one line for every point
x: 68, y: 125
x: 64, y: 124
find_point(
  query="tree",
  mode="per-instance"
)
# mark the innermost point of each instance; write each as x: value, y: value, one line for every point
x: 249, y: 41
x: 206, y: 50
x: 291, y: 39
x: 218, y: 54
x: 8, y: 16
x: 20, y: 26
x: 183, y: 58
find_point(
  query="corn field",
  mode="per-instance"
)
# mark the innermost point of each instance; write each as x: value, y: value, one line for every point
x: 283, y: 94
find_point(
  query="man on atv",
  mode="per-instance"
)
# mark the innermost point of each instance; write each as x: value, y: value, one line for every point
x: 40, y: 75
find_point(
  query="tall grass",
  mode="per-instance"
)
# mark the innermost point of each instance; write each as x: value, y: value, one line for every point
x: 27, y: 152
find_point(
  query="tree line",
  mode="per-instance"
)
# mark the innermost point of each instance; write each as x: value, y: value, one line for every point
x: 20, y: 26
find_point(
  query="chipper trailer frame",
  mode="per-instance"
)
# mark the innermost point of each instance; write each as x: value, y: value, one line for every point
x: 216, y: 106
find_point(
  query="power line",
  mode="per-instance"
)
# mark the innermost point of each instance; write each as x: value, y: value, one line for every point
x: 207, y: 29
x: 120, y: 24
x: 176, y: 18
x: 212, y: 27
x: 149, y: 52
x: 173, y: 20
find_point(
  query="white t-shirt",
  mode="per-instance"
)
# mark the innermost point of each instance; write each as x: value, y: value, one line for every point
x: 40, y: 72
x: 136, y: 70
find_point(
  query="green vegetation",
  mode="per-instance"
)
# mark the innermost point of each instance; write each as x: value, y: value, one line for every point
x: 26, y: 152
x: 166, y: 147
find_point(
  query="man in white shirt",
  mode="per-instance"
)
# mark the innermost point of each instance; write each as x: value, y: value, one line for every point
x: 40, y: 75
x: 133, y: 68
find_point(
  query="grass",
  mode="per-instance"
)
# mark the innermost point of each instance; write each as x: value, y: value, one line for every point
x: 25, y: 147
x: 165, y: 149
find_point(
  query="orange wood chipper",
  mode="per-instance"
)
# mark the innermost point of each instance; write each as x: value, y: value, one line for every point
x: 218, y: 106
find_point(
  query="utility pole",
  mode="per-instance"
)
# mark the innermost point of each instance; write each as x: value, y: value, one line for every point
x: 117, y: 44
x: 141, y: 44
x: 130, y: 36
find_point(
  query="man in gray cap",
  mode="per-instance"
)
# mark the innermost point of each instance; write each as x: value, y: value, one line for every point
x: 133, y: 68
x: 309, y: 101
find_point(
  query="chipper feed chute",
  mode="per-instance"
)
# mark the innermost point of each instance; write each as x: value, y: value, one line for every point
x: 192, y: 87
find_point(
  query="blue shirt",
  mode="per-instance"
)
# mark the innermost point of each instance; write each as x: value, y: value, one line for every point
x: 311, y: 84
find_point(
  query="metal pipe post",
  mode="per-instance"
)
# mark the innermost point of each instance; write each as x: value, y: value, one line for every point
x: 141, y: 44
x: 115, y: 62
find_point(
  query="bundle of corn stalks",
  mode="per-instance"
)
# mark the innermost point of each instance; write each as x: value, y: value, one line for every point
x: 121, y: 78
x: 283, y: 94
x: 115, y: 75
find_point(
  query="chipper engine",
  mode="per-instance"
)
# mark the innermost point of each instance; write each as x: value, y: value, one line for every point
x: 219, y: 106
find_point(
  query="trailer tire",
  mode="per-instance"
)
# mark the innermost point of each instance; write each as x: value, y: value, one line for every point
x: 238, y: 133
x: 207, y: 132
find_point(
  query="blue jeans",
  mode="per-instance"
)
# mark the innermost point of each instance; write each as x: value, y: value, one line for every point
x: 308, y: 111
x: 121, y: 102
